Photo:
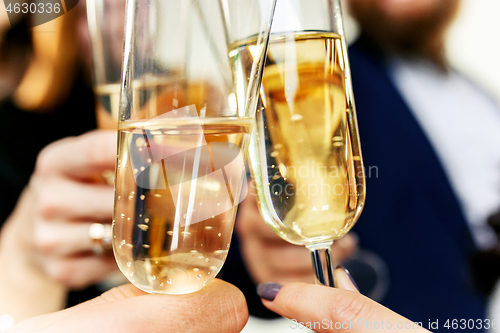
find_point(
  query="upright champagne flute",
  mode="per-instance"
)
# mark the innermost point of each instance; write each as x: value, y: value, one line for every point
x: 184, y: 126
x: 106, y: 22
x: 305, y: 151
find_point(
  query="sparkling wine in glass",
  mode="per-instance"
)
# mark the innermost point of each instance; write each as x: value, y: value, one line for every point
x: 185, y: 123
x: 305, y: 151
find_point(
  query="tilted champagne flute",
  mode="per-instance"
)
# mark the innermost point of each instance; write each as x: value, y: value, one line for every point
x: 305, y: 152
x: 184, y: 128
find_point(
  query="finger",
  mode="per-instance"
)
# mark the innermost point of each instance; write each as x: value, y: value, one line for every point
x: 79, y: 157
x: 250, y: 222
x: 79, y: 272
x: 63, y: 238
x: 344, y: 280
x: 284, y: 263
x: 344, y: 247
x: 219, y: 307
x: 267, y: 256
x: 62, y: 199
x: 326, y: 309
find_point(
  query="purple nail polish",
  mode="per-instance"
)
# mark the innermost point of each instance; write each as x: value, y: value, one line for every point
x: 268, y: 290
x: 351, y: 278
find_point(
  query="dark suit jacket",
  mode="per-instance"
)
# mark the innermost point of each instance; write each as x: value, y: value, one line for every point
x: 412, y: 218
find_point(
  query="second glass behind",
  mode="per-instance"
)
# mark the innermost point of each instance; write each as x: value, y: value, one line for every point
x: 106, y: 21
x: 189, y: 93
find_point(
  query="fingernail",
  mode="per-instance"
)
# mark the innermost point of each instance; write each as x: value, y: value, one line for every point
x: 268, y: 290
x: 351, y: 278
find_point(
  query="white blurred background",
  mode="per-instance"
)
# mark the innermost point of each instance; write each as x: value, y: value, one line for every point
x: 473, y: 43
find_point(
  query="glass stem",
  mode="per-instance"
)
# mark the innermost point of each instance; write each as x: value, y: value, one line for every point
x: 322, y: 263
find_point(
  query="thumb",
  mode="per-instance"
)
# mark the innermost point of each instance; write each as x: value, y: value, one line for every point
x: 219, y: 307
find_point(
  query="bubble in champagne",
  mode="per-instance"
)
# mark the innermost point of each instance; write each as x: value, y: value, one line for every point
x: 143, y: 227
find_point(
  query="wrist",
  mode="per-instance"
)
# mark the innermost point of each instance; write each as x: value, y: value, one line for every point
x: 27, y: 291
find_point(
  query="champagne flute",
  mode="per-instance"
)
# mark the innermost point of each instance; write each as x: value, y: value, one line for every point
x: 106, y: 22
x: 305, y: 152
x: 184, y: 128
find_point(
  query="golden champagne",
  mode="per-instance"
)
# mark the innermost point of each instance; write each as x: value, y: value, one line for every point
x: 305, y: 156
x: 177, y: 191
